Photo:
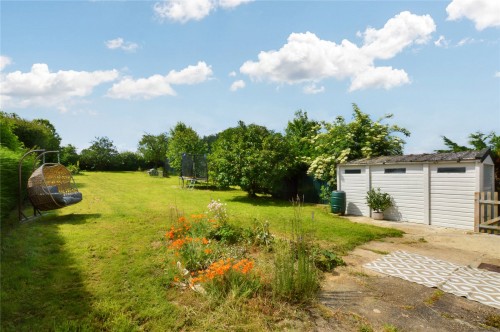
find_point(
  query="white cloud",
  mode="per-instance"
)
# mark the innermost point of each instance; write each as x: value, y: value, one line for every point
x: 312, y: 89
x: 159, y: 85
x: 40, y: 87
x: 228, y: 4
x: 305, y: 58
x: 497, y: 74
x: 240, y: 84
x: 119, y: 43
x: 441, y: 42
x: 4, y: 62
x: 190, y: 75
x: 379, y: 77
x: 186, y: 10
x: 484, y: 13
x: 466, y: 41
x: 398, y: 33
x: 232, y: 74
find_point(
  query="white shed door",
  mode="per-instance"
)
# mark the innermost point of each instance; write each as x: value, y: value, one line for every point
x: 405, y: 183
x: 353, y: 180
x: 452, y: 189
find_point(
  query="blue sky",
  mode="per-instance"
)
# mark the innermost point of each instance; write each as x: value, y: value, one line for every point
x: 122, y: 69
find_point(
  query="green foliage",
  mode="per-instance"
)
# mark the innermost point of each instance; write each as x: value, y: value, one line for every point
x: 260, y: 234
x: 295, y: 279
x: 325, y: 194
x: 68, y: 155
x: 326, y: 260
x: 479, y: 141
x: 9, y: 161
x: 154, y: 148
x: 227, y: 233
x: 128, y: 161
x: 73, y: 169
x: 7, y: 137
x: 249, y: 156
x: 378, y: 200
x: 340, y: 141
x: 298, y: 132
x: 38, y: 133
x: 183, y: 139
x: 100, y: 156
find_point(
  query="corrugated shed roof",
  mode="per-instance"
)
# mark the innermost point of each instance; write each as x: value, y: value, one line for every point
x: 426, y: 157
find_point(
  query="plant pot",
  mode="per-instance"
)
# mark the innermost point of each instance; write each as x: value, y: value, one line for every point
x: 377, y: 215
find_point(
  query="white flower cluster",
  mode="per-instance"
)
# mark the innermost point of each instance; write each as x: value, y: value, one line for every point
x: 217, y: 210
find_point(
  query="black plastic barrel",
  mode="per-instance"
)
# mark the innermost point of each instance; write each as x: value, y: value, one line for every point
x: 338, y: 202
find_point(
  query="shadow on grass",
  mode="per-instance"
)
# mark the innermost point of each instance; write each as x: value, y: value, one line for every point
x: 261, y: 201
x: 42, y: 288
x: 73, y: 219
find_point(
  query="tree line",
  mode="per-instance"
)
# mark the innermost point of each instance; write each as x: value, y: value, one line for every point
x: 251, y: 156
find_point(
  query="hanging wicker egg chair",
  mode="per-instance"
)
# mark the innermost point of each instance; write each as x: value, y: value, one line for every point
x: 51, y: 186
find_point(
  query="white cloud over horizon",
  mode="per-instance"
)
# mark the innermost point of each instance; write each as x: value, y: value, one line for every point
x: 240, y: 84
x: 120, y: 43
x: 41, y: 87
x: 484, y: 13
x: 305, y: 58
x: 185, y: 10
x: 160, y: 85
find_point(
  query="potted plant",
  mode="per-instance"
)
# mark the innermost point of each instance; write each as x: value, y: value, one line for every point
x: 378, y: 201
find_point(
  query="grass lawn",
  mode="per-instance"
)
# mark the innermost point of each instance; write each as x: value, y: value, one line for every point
x: 100, y: 265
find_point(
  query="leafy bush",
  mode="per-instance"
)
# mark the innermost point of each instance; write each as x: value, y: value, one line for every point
x: 377, y: 200
x: 227, y: 233
x: 260, y: 235
x: 325, y: 260
x: 73, y: 169
x: 9, y: 161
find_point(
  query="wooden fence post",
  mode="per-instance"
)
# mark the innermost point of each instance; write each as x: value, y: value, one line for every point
x: 477, y: 214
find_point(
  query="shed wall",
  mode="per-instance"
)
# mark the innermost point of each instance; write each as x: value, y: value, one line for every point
x: 355, y: 187
x: 406, y: 189
x: 452, y: 196
x: 422, y: 194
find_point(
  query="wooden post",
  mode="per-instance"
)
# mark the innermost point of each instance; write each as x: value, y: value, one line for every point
x: 495, y: 209
x: 476, y: 212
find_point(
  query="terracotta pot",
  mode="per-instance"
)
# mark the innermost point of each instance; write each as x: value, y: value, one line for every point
x: 377, y: 215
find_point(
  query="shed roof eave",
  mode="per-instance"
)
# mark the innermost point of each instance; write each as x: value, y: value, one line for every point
x: 427, y: 158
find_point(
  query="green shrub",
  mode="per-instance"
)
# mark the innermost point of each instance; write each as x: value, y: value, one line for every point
x: 325, y: 260
x: 9, y: 178
x: 227, y: 233
x: 378, y: 200
x: 73, y: 169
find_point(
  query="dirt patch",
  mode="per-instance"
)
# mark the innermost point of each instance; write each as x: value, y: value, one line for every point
x: 355, y: 298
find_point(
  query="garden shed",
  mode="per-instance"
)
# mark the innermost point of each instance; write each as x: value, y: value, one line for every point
x: 432, y: 189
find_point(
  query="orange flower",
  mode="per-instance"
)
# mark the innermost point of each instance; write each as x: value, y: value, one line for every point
x: 205, y: 241
x: 208, y: 251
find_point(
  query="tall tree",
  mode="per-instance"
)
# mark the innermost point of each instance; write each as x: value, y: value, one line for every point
x: 154, y: 148
x: 68, y: 155
x: 100, y: 156
x: 38, y: 133
x: 341, y: 141
x: 249, y: 156
x: 183, y: 139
